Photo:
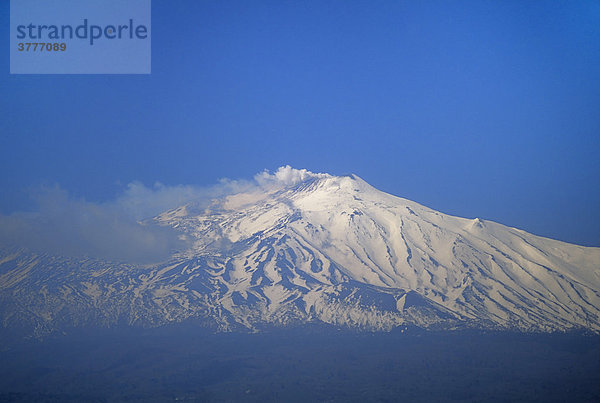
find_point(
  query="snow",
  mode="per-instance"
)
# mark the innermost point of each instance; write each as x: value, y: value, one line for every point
x: 359, y: 233
x: 315, y: 247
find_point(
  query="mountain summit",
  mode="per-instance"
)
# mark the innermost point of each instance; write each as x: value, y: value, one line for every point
x: 303, y: 247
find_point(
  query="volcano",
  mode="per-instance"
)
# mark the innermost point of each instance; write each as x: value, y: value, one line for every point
x: 304, y: 248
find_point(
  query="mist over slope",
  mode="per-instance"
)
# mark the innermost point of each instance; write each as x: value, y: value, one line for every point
x: 301, y: 247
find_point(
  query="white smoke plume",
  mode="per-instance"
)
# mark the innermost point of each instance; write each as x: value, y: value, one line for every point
x: 286, y: 176
x: 119, y: 229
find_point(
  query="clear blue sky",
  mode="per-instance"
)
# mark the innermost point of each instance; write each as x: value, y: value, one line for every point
x: 478, y: 108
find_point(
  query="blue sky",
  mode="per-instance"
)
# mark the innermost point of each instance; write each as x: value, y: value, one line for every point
x: 479, y: 108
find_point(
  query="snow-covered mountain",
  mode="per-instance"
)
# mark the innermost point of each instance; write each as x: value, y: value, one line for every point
x: 305, y: 247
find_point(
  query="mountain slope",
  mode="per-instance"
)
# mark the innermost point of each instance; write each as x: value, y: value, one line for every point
x: 307, y: 247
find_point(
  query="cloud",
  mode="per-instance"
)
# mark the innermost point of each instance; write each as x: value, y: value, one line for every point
x: 120, y: 229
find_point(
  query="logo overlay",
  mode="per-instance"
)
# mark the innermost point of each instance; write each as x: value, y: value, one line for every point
x: 80, y: 37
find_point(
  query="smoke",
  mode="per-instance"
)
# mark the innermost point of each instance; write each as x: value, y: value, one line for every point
x: 67, y: 226
x: 119, y: 229
x: 64, y: 225
x: 286, y: 176
x: 142, y: 202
